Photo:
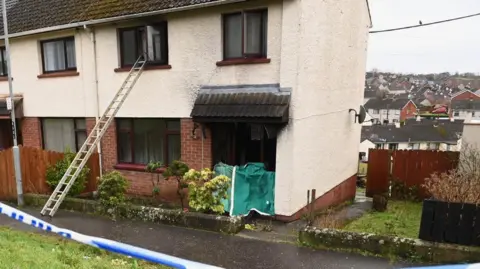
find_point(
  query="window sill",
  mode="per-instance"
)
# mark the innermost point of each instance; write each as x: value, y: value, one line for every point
x: 244, y: 61
x: 59, y: 74
x: 4, y: 78
x: 135, y: 168
x: 146, y: 68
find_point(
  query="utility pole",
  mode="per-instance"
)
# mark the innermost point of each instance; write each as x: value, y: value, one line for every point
x: 16, y: 150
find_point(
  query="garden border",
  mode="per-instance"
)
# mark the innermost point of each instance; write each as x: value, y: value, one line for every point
x: 388, y: 246
x: 222, y: 224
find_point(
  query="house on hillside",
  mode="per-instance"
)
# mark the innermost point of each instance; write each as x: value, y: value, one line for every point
x: 423, y: 134
x: 465, y: 95
x: 464, y: 108
x: 235, y: 81
x: 390, y: 110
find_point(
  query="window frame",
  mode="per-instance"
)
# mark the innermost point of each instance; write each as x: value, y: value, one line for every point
x: 64, y: 39
x: 3, y: 61
x: 263, y: 41
x: 75, y: 129
x: 130, y: 133
x: 163, y: 26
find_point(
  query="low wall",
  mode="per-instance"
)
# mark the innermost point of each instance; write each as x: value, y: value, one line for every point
x: 387, y: 246
x: 223, y: 224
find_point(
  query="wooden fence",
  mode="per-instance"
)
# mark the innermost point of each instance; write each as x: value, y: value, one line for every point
x: 410, y: 167
x: 34, y: 163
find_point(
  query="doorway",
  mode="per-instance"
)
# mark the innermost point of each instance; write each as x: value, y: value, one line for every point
x: 242, y: 143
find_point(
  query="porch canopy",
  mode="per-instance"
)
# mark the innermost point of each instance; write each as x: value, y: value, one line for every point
x: 267, y: 104
x: 4, y: 112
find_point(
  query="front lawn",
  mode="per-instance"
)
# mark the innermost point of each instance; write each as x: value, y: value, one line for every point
x: 401, y: 219
x: 29, y: 250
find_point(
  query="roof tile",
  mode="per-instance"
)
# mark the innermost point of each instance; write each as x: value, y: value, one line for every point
x: 26, y: 15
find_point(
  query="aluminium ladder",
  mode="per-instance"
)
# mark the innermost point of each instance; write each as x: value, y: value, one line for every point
x: 93, y: 139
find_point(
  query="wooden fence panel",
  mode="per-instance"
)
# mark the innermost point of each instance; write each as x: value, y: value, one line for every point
x: 411, y: 167
x: 34, y: 163
x: 378, y: 172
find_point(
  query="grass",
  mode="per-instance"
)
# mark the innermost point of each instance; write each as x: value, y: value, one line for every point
x: 401, y: 219
x: 30, y: 250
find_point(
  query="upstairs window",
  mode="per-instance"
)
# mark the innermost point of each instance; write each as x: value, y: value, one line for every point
x: 59, y: 55
x: 151, y: 40
x: 3, y: 62
x: 245, y: 35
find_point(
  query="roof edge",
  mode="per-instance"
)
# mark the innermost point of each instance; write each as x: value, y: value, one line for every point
x: 119, y: 18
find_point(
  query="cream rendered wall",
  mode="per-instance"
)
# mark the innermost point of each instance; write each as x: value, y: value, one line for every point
x: 51, y: 97
x: 323, y: 60
x: 195, y: 45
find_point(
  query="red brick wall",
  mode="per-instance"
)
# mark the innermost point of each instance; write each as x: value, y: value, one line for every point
x: 192, y: 146
x: 467, y: 95
x: 141, y: 182
x: 408, y: 111
x: 341, y: 193
x: 31, y: 132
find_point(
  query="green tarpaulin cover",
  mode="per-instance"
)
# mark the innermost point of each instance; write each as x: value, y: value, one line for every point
x: 252, y: 188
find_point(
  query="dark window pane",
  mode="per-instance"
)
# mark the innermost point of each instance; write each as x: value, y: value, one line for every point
x: 173, y: 125
x: 148, y: 140
x: 253, y: 33
x: 129, y: 46
x: 264, y: 33
x: 233, y: 36
x: 80, y: 124
x: 81, y: 137
x: 3, y: 64
x: 173, y: 148
x: 124, y: 148
x: 124, y: 124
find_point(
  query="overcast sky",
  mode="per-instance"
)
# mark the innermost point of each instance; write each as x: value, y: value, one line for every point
x: 452, y: 46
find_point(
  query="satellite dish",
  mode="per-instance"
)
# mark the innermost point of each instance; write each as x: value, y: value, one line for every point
x: 361, y: 115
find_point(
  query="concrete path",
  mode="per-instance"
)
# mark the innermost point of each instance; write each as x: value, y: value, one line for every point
x: 231, y: 252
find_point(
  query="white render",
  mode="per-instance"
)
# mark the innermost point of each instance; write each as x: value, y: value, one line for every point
x: 317, y: 48
x: 367, y: 144
x: 390, y: 115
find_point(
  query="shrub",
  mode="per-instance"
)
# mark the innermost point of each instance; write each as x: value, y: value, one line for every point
x: 460, y: 185
x: 112, y: 189
x: 176, y: 171
x: 206, y: 191
x: 55, y: 173
x: 152, y: 167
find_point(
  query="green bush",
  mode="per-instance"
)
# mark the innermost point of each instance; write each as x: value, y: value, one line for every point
x: 112, y: 189
x: 206, y: 190
x: 55, y: 173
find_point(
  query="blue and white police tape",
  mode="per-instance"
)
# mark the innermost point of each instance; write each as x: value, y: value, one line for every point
x: 462, y: 266
x: 106, y: 244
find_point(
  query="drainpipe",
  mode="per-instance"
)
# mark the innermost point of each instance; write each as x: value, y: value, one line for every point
x: 97, y: 97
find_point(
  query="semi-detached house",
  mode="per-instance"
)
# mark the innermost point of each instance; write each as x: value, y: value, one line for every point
x: 227, y: 80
